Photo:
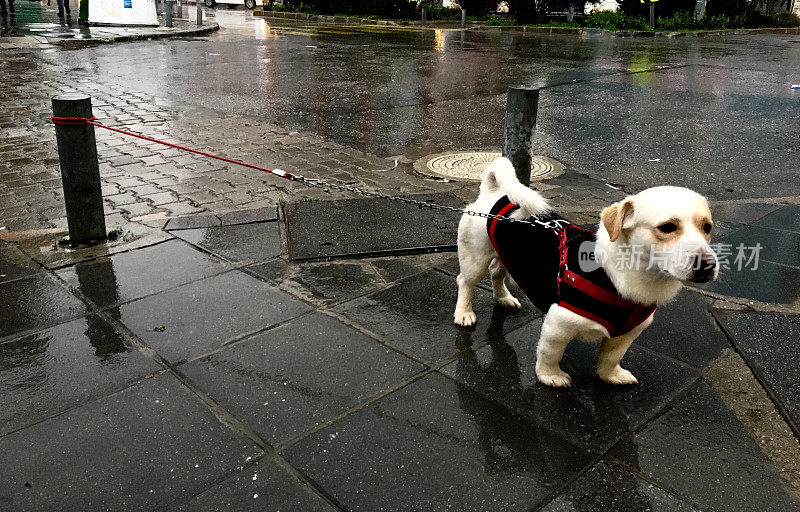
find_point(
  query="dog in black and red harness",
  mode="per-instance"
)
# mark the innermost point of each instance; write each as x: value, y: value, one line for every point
x: 599, y: 285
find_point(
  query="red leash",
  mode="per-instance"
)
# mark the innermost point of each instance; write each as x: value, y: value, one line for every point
x: 74, y: 121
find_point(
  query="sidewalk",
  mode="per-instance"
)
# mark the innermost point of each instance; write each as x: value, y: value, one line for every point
x: 35, y: 25
x: 192, y: 365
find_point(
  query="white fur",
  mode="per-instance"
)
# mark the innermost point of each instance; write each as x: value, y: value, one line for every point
x: 654, y: 285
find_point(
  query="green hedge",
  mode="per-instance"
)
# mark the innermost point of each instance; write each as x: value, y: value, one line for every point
x: 684, y: 20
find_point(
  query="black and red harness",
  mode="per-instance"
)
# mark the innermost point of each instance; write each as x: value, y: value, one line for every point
x: 544, y: 260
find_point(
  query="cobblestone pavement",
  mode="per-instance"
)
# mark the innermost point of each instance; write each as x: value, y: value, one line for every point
x: 147, y: 182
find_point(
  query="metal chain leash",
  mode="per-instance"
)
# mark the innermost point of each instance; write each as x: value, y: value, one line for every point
x: 313, y: 182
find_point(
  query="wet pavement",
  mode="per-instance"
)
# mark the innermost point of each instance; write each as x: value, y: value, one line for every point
x: 389, y: 92
x: 203, y: 380
x: 193, y: 364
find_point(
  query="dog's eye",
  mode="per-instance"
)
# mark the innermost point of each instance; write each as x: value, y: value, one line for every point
x: 707, y: 228
x: 667, y: 227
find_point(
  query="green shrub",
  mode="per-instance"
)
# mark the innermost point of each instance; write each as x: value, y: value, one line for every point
x: 786, y: 19
x: 500, y: 21
x: 437, y: 12
x: 681, y: 20
x: 615, y: 20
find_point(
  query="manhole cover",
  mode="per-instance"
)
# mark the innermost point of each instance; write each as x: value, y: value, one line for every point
x: 469, y: 165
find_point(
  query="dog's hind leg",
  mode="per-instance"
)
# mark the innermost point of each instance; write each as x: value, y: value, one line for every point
x: 473, y: 269
x: 501, y: 293
x: 553, y: 340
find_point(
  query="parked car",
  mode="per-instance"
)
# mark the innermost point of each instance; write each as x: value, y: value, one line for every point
x: 250, y: 4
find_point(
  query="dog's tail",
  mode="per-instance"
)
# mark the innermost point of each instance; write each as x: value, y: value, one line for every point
x: 500, y: 176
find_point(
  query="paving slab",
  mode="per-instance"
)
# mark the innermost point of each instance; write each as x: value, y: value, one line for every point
x: 45, y: 249
x: 35, y: 302
x: 369, y: 227
x: 701, y: 450
x: 776, y: 246
x: 140, y: 449
x: 591, y: 413
x: 609, y: 488
x: 416, y: 316
x: 298, y: 375
x: 787, y: 218
x: 396, y: 268
x: 248, y: 216
x: 320, y: 283
x: 770, y: 282
x: 266, y: 486
x: 131, y: 275
x: 741, y: 213
x: 192, y: 222
x: 685, y: 330
x: 14, y: 263
x: 57, y: 368
x: 196, y: 318
x: 769, y: 343
x: 436, y: 445
x: 245, y: 243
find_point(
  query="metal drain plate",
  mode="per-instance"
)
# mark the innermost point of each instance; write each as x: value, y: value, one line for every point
x: 469, y: 165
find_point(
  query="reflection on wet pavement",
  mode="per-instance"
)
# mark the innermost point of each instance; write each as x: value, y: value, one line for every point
x: 433, y: 445
x: 417, y: 92
x: 591, y: 413
x: 700, y: 449
x: 46, y: 372
x: 416, y: 316
x: 131, y: 275
x: 35, y: 302
x: 288, y: 369
x: 609, y: 488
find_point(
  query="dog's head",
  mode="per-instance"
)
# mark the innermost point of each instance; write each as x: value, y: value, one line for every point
x: 668, y: 229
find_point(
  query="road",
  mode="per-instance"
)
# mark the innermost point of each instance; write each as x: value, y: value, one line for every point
x: 716, y: 114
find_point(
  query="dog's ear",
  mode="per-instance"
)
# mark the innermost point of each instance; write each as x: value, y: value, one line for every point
x: 614, y: 217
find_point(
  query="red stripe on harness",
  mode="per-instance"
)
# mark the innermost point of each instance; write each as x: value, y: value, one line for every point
x: 502, y: 212
x: 599, y: 293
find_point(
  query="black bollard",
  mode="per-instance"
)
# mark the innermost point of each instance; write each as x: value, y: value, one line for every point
x: 521, y: 108
x: 80, y: 172
x: 168, y: 13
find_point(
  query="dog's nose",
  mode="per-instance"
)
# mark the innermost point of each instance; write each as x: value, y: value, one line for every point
x: 705, y: 266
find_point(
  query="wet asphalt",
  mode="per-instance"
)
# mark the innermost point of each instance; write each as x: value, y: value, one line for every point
x: 715, y: 114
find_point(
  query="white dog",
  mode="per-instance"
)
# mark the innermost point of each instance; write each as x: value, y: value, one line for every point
x: 599, y: 286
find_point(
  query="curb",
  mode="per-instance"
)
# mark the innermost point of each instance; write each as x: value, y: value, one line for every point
x: 474, y: 25
x: 74, y: 44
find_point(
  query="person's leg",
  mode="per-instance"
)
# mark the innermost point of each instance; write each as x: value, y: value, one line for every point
x: 60, y: 4
x: 2, y: 7
x: 11, y: 7
x: 66, y: 7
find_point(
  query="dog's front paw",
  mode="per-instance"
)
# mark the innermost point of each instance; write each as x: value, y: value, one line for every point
x: 508, y: 301
x: 557, y: 379
x: 465, y: 318
x: 619, y: 376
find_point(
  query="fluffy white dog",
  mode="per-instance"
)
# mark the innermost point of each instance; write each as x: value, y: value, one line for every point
x: 599, y: 286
